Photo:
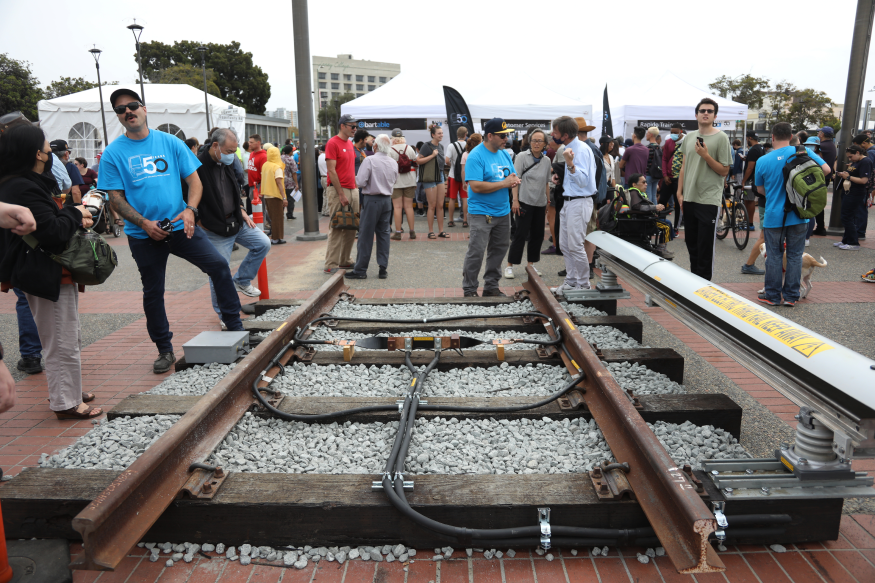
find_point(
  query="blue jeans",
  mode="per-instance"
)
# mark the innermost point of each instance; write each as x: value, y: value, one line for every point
x: 28, y: 338
x: 794, y: 235
x: 151, y: 258
x: 652, y: 183
x: 253, y: 239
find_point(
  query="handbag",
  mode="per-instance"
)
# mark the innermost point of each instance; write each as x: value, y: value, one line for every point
x: 345, y: 220
x: 87, y: 256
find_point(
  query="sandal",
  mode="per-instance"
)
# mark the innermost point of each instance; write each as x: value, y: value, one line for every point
x: 432, y: 236
x: 464, y: 223
x: 87, y: 397
x: 76, y: 413
x: 451, y: 224
x: 443, y: 235
x: 412, y: 234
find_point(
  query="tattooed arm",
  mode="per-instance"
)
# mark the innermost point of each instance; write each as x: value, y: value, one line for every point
x: 124, y: 209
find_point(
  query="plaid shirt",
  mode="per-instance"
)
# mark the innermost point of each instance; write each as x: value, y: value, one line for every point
x: 291, y: 170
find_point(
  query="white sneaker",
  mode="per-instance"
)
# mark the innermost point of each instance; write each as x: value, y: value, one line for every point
x: 849, y: 247
x: 536, y: 270
x: 508, y: 272
x: 222, y: 323
x: 560, y: 291
x: 248, y: 290
x: 837, y: 244
x: 807, y: 242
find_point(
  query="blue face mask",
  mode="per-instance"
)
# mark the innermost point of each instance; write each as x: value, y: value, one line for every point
x: 228, y: 159
x: 558, y: 141
x: 675, y: 137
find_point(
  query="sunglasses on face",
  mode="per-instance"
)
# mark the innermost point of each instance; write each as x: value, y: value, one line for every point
x: 706, y: 111
x: 133, y: 106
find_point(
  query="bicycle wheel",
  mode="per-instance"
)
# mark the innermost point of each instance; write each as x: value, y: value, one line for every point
x: 740, y: 232
x: 723, y: 221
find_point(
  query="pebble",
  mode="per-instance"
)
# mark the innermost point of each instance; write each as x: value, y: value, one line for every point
x: 660, y: 552
x: 197, y: 380
x: 323, y: 333
x: 721, y: 547
x: 153, y: 558
x: 608, y: 337
x: 574, y: 552
x: 469, y: 552
x: 245, y: 559
x: 169, y: 563
x: 549, y: 556
x: 220, y: 549
x: 498, y: 554
x: 596, y: 552
x: 207, y: 547
x: 245, y: 549
x: 581, y: 310
x: 650, y: 553
x: 176, y: 556
x: 641, y: 380
x: 778, y: 548
x: 643, y: 558
x: 540, y: 551
x: 605, y: 551
x: 289, y: 559
x: 688, y: 444
x: 354, y: 554
x: 301, y: 563
x: 488, y: 554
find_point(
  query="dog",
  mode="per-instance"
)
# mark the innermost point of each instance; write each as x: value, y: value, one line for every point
x: 808, y: 265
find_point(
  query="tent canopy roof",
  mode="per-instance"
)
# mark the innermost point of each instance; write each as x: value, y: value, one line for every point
x: 671, y: 97
x: 160, y: 98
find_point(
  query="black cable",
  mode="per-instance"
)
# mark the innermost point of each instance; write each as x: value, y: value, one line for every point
x: 509, y: 409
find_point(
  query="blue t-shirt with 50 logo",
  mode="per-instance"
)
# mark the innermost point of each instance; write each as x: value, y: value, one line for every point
x: 485, y: 166
x: 149, y: 171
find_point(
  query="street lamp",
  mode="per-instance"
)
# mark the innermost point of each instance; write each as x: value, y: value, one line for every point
x: 137, y: 30
x: 203, y: 51
x: 336, y: 116
x: 95, y: 52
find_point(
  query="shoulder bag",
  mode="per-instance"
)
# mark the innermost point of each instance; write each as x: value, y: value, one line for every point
x: 87, y: 256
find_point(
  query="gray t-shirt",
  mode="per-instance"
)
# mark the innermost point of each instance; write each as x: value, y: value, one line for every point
x: 533, y: 185
x: 454, y: 152
x: 432, y: 170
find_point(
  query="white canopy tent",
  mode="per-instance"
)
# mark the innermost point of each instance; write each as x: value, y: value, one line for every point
x: 412, y: 102
x: 175, y: 109
x: 670, y: 99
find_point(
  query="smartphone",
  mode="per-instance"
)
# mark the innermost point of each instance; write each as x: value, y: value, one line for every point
x: 522, y: 212
x: 701, y: 141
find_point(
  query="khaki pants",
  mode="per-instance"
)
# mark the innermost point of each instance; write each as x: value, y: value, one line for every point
x: 61, y: 337
x: 324, y: 182
x: 340, y: 242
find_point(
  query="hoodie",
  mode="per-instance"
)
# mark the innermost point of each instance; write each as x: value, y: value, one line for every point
x: 269, y: 174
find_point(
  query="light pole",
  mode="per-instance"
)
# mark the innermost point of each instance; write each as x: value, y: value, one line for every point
x: 336, y: 116
x: 95, y: 52
x: 137, y: 30
x: 203, y: 51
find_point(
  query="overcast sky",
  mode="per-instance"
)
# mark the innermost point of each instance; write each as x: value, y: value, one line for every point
x: 572, y: 47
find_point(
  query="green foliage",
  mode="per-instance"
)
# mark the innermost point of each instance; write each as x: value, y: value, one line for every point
x: 187, y: 75
x: 238, y: 79
x: 802, y: 108
x: 329, y: 116
x: 69, y: 85
x: 19, y: 89
x: 745, y: 89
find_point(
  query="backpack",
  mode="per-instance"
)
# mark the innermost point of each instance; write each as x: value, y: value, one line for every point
x: 607, y: 215
x: 654, y: 161
x: 87, y: 256
x: 805, y: 185
x: 404, y: 163
x: 457, y: 165
x: 677, y: 160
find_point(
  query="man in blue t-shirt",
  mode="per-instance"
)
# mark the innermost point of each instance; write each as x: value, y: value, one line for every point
x: 779, y: 226
x: 142, y: 170
x: 490, y: 174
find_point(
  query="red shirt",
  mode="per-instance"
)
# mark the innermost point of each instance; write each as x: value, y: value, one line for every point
x: 343, y: 151
x: 253, y: 169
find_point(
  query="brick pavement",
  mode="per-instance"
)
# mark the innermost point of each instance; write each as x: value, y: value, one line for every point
x: 120, y: 364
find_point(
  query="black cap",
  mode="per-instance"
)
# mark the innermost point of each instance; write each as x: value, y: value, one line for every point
x: 119, y: 92
x: 396, y: 133
x: 752, y: 134
x: 59, y: 145
x: 496, y: 125
x: 347, y: 118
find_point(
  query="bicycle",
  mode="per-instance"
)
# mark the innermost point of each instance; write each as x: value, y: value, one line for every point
x: 733, y: 215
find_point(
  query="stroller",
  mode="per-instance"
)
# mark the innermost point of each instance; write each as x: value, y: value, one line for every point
x: 97, y: 203
x: 644, y: 228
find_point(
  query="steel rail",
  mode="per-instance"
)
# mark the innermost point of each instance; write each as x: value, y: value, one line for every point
x: 677, y: 514
x: 118, y: 518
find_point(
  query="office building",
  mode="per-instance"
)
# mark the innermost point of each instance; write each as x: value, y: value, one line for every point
x: 334, y: 76
x: 283, y: 113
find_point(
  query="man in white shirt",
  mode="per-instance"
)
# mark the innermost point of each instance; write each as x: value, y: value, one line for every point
x: 580, y: 186
x: 456, y: 190
x: 323, y: 178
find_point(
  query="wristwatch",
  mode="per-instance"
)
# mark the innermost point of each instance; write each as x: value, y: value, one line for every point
x: 195, y: 211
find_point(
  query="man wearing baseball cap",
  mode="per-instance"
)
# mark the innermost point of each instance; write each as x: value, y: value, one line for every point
x: 142, y: 171
x: 341, y: 191
x: 490, y: 174
x: 62, y: 153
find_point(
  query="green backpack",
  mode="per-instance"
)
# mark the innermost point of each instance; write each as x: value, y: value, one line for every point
x: 88, y: 257
x: 805, y: 185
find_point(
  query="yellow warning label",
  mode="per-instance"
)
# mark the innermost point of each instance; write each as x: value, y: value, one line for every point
x: 413, y: 383
x: 575, y: 365
x: 423, y: 338
x: 763, y: 320
x: 281, y: 326
x: 786, y: 463
x: 568, y: 321
x: 671, y: 303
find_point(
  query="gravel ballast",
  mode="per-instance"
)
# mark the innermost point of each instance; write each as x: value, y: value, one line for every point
x: 324, y: 333
x: 641, y: 380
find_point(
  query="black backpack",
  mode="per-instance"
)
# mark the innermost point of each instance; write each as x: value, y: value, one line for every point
x: 654, y: 161
x: 457, y: 165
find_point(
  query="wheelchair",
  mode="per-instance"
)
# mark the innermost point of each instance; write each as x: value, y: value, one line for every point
x: 645, y: 229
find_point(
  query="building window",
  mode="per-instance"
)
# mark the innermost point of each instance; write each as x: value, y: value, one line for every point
x: 335, y: 77
x: 382, y: 79
x: 359, y: 87
x: 321, y: 75
x: 347, y: 77
x: 371, y: 87
x: 323, y: 85
x: 370, y: 78
x: 324, y: 104
x: 360, y: 95
x: 359, y: 77
x: 323, y: 94
x: 347, y: 86
x: 84, y: 140
x: 335, y: 85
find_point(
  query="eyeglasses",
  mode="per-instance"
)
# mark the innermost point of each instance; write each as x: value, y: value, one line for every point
x: 706, y: 111
x: 133, y: 106
x: 538, y: 141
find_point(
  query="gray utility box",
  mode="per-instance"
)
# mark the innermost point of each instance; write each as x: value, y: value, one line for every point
x: 221, y: 347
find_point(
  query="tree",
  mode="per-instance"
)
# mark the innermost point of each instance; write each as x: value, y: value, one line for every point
x: 745, y: 89
x: 68, y: 85
x: 802, y: 108
x: 239, y: 80
x: 187, y: 75
x: 329, y: 115
x: 19, y: 89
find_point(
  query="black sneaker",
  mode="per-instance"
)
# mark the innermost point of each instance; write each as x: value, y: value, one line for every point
x: 562, y: 273
x: 354, y: 275
x: 163, y: 363
x: 383, y: 273
x: 30, y: 365
x: 493, y: 293
x: 471, y: 294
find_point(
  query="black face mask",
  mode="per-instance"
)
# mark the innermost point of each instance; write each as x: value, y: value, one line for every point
x: 48, y: 165
x: 557, y: 140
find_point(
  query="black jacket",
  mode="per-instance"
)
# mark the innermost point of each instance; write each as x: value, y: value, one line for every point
x: 27, y: 269
x: 211, y: 209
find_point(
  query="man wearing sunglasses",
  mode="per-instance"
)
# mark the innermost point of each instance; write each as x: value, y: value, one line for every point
x: 707, y: 161
x: 142, y: 171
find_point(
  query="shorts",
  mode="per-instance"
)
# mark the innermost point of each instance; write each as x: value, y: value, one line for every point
x: 427, y: 185
x: 406, y: 192
x: 456, y: 189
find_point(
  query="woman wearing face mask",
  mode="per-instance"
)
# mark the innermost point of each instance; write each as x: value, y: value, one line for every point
x: 53, y: 297
x: 273, y: 190
x: 530, y: 202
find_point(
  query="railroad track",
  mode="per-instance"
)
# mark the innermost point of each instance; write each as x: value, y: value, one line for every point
x: 115, y: 510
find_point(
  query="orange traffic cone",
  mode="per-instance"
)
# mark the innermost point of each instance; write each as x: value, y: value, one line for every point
x: 5, y: 569
x: 258, y: 219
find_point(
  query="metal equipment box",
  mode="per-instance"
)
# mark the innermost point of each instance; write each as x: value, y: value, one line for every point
x: 221, y: 347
